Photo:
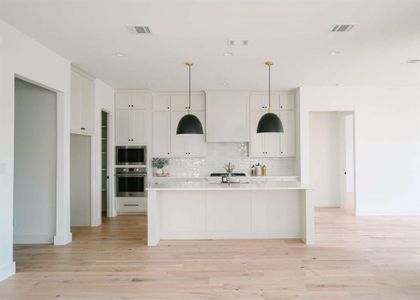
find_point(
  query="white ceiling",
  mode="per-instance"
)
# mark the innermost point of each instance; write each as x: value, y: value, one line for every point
x: 292, y: 33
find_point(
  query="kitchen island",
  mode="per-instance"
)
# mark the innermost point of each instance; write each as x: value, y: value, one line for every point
x: 210, y: 210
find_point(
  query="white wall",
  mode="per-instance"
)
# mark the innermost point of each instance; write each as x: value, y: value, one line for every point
x: 324, y: 158
x: 22, y: 56
x: 80, y: 180
x: 387, y: 143
x: 104, y: 100
x: 35, y: 168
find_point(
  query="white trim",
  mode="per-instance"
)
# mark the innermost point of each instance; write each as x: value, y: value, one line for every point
x: 7, y: 270
x: 62, y: 239
x: 388, y: 212
x: 32, y: 239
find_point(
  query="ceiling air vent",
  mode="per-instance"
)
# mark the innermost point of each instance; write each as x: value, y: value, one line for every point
x: 138, y: 29
x: 341, y: 28
x: 413, y: 61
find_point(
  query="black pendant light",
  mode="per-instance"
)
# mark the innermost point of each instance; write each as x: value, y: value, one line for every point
x: 189, y: 124
x: 269, y: 122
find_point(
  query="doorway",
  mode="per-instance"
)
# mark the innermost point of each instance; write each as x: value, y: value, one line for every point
x: 331, y: 159
x: 35, y: 164
x: 104, y: 164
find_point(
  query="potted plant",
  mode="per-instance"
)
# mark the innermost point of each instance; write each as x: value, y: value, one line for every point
x: 159, y: 163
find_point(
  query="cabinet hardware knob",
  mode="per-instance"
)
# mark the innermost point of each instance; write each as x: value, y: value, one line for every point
x: 83, y: 128
x: 169, y: 153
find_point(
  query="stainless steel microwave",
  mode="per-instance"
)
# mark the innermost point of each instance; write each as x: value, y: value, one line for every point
x: 130, y: 155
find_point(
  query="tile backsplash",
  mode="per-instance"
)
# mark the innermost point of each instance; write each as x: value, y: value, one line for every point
x: 220, y: 153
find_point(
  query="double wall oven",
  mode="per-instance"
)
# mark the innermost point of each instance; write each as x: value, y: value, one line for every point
x: 131, y: 171
x: 131, y: 182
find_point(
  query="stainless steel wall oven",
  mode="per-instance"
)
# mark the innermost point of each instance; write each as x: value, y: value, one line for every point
x: 131, y: 182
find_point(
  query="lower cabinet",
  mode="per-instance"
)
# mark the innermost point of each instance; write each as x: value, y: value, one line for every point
x: 131, y: 205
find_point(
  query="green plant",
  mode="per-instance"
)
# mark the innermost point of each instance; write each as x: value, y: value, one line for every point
x: 159, y: 162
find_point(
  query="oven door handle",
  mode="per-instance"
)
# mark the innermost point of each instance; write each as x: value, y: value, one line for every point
x: 139, y: 175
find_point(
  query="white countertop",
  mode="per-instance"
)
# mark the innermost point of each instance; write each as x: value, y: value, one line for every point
x: 205, y: 185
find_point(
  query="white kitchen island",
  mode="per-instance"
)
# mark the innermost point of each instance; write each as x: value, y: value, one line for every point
x: 204, y: 210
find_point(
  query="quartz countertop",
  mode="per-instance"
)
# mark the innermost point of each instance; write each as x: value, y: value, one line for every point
x: 206, y: 185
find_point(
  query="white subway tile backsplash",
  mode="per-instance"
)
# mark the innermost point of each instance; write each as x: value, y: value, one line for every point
x: 220, y: 153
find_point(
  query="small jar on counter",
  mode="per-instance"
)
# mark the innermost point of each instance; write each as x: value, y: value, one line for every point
x: 258, y: 170
x: 264, y: 170
x: 253, y: 173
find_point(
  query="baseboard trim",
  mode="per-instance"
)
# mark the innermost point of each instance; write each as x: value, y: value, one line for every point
x: 7, y: 271
x: 20, y: 239
x: 388, y: 212
x: 62, y: 239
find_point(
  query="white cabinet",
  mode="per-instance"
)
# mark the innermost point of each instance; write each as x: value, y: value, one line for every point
x: 132, y: 127
x: 263, y: 144
x: 161, y: 103
x: 260, y: 101
x: 287, y: 101
x: 273, y: 144
x: 227, y: 116
x: 179, y: 102
x: 161, y: 133
x: 187, y: 145
x: 132, y: 100
x: 288, y: 138
x: 81, y: 103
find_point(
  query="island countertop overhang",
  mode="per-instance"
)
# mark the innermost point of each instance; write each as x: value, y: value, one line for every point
x: 211, y: 186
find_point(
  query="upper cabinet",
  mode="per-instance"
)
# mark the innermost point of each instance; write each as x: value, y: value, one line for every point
x: 168, y: 109
x: 132, y: 100
x: 273, y: 144
x: 179, y: 102
x: 81, y: 103
x: 133, y: 121
x: 227, y: 116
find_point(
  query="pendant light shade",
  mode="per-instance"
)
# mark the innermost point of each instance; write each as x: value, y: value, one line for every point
x: 189, y: 124
x: 269, y: 122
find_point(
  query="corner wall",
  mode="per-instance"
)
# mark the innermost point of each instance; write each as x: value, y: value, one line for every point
x: 387, y: 143
x: 24, y: 57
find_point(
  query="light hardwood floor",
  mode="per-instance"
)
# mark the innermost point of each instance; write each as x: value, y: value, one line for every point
x: 374, y: 258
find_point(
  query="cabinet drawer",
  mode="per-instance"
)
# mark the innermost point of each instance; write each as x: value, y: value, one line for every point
x: 131, y: 205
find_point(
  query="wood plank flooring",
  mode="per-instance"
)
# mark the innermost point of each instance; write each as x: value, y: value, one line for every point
x: 363, y: 258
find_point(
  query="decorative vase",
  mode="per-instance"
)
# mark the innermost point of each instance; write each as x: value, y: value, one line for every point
x: 159, y: 172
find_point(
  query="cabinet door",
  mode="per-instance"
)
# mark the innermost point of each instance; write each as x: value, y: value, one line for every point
x: 161, y: 134
x: 260, y: 102
x: 287, y: 101
x: 256, y: 144
x: 271, y: 144
x: 87, y: 105
x: 195, y: 144
x: 122, y: 127
x: 122, y: 101
x: 198, y: 102
x: 75, y: 102
x: 138, y: 127
x: 179, y: 102
x: 177, y: 141
x: 139, y: 100
x: 161, y: 103
x: 288, y: 138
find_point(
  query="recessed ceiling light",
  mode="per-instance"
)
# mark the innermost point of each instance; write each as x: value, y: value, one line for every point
x: 228, y: 54
x: 335, y: 52
x: 225, y: 83
x: 120, y: 54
